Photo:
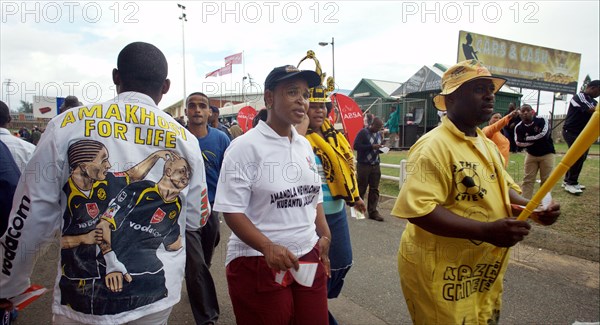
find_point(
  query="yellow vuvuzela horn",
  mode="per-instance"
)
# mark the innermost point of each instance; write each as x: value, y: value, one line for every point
x: 587, y: 137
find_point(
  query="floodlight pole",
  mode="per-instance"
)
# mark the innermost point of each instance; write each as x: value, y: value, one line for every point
x: 183, y: 19
x: 332, y: 54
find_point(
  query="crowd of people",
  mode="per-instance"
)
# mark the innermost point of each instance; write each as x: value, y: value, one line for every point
x: 135, y: 218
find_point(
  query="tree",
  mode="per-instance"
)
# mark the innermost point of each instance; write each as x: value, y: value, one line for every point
x: 26, y: 107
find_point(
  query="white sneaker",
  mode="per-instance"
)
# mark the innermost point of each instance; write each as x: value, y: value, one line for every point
x: 573, y: 189
x: 581, y: 187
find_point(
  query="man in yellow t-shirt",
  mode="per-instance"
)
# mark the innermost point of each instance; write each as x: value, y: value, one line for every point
x: 457, y: 198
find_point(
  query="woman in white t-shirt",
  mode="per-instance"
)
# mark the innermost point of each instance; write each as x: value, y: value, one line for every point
x: 270, y: 194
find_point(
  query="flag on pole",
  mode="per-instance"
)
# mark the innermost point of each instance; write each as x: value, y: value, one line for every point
x: 213, y: 74
x: 233, y: 59
x: 225, y: 70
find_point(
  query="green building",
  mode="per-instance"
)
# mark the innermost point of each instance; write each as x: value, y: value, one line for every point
x: 415, y: 102
x: 374, y: 96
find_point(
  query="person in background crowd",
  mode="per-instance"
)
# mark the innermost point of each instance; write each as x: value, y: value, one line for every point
x: 68, y: 103
x: 580, y: 111
x: 215, y: 123
x: 181, y: 120
x: 141, y: 80
x: 367, y: 144
x: 509, y: 129
x: 492, y: 131
x: 277, y: 222
x: 535, y: 135
x: 201, y: 243
x: 235, y: 130
x: 36, y: 134
x: 451, y: 204
x: 393, y: 126
x: 368, y: 119
x: 260, y: 116
x: 20, y: 149
x: 335, y: 161
x: 25, y: 134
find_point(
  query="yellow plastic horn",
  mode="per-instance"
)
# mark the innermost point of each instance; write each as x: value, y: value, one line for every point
x: 587, y: 137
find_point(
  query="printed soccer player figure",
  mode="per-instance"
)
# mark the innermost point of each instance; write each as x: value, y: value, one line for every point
x: 89, y: 189
x: 141, y: 218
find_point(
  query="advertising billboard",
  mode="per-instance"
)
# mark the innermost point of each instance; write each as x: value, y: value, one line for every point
x: 46, y: 107
x: 523, y: 65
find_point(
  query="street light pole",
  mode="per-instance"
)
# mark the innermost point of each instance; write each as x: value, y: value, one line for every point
x: 332, y: 54
x: 8, y: 93
x: 183, y: 19
x: 244, y: 86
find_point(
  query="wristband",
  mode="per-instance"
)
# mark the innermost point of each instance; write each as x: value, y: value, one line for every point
x: 329, y: 240
x: 113, y: 264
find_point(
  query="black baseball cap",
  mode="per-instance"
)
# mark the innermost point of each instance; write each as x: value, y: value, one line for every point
x: 289, y: 71
x: 594, y: 83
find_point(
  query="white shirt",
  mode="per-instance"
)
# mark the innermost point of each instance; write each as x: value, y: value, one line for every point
x: 20, y: 149
x: 276, y: 184
x: 133, y: 132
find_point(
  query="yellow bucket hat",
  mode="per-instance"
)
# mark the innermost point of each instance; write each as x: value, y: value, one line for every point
x: 461, y: 73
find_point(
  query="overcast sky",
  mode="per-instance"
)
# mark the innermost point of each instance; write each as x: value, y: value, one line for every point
x: 63, y: 48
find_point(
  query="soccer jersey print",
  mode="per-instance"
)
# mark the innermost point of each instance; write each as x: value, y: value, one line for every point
x: 143, y: 221
x: 80, y: 217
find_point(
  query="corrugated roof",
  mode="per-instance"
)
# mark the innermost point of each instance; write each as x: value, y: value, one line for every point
x: 387, y: 87
x: 438, y: 69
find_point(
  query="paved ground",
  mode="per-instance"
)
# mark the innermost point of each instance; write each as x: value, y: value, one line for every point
x: 541, y: 286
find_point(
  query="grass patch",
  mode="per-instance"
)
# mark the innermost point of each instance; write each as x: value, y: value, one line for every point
x: 580, y: 214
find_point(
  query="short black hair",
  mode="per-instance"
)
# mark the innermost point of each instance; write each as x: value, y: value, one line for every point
x: 4, y: 113
x: 197, y: 93
x: 142, y: 68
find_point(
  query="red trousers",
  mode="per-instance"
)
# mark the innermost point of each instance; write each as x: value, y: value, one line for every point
x: 258, y: 299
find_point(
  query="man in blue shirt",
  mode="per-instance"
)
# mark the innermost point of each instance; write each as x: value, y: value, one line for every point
x: 201, y: 243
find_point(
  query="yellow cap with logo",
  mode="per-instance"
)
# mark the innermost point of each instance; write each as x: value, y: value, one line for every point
x: 461, y: 73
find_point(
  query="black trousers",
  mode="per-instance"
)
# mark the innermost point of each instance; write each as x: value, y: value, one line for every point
x: 369, y: 176
x: 572, y: 176
x: 200, y: 245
